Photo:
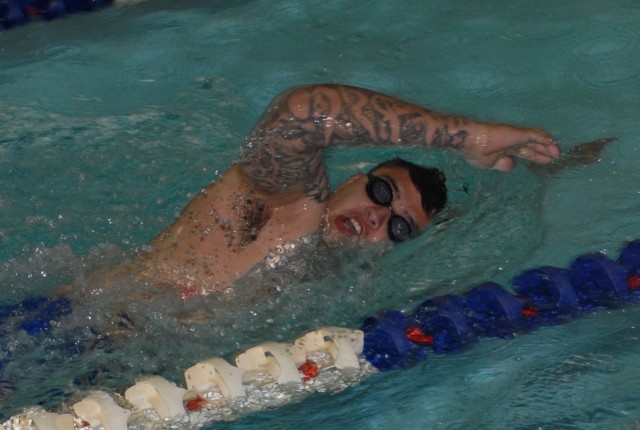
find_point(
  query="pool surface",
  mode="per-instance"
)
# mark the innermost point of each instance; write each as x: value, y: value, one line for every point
x: 111, y: 121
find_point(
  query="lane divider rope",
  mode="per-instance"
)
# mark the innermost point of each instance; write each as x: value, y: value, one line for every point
x: 388, y: 341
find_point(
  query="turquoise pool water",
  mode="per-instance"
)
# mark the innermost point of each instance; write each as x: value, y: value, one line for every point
x: 111, y: 121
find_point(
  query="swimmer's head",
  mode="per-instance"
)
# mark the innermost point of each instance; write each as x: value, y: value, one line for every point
x: 395, y: 201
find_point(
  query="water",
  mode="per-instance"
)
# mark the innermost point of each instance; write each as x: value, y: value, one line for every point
x: 112, y: 120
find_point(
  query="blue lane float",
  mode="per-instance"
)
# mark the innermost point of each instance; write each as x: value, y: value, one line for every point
x: 446, y: 324
x: 14, y: 13
x: 543, y: 296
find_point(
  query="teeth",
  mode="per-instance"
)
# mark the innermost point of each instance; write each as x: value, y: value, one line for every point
x: 356, y: 225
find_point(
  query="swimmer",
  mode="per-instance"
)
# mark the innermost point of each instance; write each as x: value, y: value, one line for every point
x: 278, y: 191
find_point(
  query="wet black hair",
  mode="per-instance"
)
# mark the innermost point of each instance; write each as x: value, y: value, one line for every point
x: 428, y: 180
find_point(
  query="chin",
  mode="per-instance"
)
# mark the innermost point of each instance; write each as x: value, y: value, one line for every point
x: 333, y: 237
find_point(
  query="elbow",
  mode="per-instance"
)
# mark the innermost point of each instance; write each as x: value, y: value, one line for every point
x: 310, y: 101
x: 293, y: 103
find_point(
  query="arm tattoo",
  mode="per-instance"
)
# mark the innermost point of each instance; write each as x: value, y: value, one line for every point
x: 446, y: 141
x: 284, y: 153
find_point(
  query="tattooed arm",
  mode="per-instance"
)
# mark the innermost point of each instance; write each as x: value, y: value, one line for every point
x: 285, y: 150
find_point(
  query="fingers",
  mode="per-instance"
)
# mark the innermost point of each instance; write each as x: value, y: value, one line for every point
x: 507, y: 142
x: 537, y: 153
x: 541, y: 153
x: 539, y: 147
x: 512, y: 139
x: 542, y: 143
x: 550, y: 149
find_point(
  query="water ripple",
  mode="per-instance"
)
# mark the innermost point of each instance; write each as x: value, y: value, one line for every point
x: 606, y: 75
x: 59, y: 52
x: 607, y: 41
x: 153, y: 72
x: 479, y: 78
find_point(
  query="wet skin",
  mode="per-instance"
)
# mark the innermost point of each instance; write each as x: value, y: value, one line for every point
x: 278, y: 190
x: 351, y: 215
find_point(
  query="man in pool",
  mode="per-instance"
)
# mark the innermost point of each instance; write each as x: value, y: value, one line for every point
x: 278, y: 191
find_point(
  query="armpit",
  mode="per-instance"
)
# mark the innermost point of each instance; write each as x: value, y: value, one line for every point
x: 252, y: 214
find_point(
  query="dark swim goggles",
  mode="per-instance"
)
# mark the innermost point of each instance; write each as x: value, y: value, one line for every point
x: 380, y: 192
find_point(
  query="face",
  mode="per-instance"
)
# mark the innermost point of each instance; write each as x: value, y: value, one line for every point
x: 352, y: 214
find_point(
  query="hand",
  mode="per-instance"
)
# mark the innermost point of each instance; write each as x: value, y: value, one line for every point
x: 578, y: 156
x: 496, y: 145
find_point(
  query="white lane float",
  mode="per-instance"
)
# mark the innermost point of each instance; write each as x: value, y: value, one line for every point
x: 214, y: 385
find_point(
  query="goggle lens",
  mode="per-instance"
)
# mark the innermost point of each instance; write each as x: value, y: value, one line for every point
x: 380, y: 192
x: 398, y: 228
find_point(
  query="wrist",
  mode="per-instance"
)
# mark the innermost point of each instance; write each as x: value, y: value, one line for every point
x: 478, y: 142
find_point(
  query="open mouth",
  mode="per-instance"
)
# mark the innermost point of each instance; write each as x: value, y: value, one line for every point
x: 348, y: 226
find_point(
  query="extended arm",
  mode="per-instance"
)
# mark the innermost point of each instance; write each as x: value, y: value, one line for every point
x: 284, y: 153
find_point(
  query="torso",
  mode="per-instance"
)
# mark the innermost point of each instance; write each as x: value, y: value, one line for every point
x: 225, y: 231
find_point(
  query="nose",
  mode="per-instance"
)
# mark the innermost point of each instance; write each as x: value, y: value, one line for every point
x: 377, y: 216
